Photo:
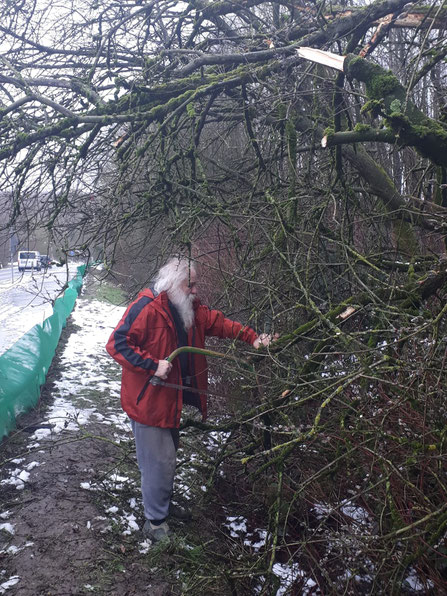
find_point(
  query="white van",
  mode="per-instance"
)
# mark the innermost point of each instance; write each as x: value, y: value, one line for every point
x: 29, y: 259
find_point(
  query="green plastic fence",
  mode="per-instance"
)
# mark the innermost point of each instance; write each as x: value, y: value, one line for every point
x: 24, y: 367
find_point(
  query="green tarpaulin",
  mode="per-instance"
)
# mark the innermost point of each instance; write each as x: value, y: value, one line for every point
x: 24, y: 367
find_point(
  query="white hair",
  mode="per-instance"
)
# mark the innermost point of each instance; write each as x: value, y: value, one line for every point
x: 169, y: 279
x: 171, y: 275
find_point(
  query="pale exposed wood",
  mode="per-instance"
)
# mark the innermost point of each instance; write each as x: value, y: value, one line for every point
x: 322, y: 57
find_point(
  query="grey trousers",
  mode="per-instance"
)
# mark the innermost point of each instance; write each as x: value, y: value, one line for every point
x: 156, y: 455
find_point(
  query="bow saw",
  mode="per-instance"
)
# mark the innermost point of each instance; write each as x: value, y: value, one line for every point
x: 157, y: 381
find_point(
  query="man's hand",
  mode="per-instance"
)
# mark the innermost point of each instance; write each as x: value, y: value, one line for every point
x: 163, y: 369
x: 264, y: 340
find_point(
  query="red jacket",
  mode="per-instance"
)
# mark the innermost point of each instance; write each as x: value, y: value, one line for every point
x: 146, y: 334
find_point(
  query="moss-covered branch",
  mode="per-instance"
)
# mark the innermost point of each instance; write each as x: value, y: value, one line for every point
x: 410, y: 125
x: 409, y: 296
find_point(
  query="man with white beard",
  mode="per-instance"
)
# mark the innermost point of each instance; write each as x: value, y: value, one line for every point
x: 159, y: 321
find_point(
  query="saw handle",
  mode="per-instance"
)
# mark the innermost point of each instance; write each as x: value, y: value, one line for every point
x: 157, y: 381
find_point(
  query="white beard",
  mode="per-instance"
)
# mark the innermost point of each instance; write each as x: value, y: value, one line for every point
x: 184, y: 304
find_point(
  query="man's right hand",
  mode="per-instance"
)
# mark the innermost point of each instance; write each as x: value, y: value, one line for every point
x: 163, y: 369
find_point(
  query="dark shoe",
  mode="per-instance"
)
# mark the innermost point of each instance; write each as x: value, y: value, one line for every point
x: 156, y: 533
x: 179, y: 512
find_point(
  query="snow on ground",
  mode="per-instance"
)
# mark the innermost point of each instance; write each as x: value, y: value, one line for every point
x: 83, y: 360
x: 12, y: 581
x: 255, y: 540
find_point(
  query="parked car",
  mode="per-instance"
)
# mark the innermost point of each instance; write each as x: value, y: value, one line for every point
x: 29, y: 259
x: 46, y: 261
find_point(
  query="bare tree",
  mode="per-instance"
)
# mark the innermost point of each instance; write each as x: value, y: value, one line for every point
x: 315, y: 192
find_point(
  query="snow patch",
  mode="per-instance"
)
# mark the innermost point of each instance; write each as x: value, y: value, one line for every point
x: 7, y: 527
x: 12, y: 581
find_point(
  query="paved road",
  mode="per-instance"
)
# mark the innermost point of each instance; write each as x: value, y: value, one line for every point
x: 28, y: 299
